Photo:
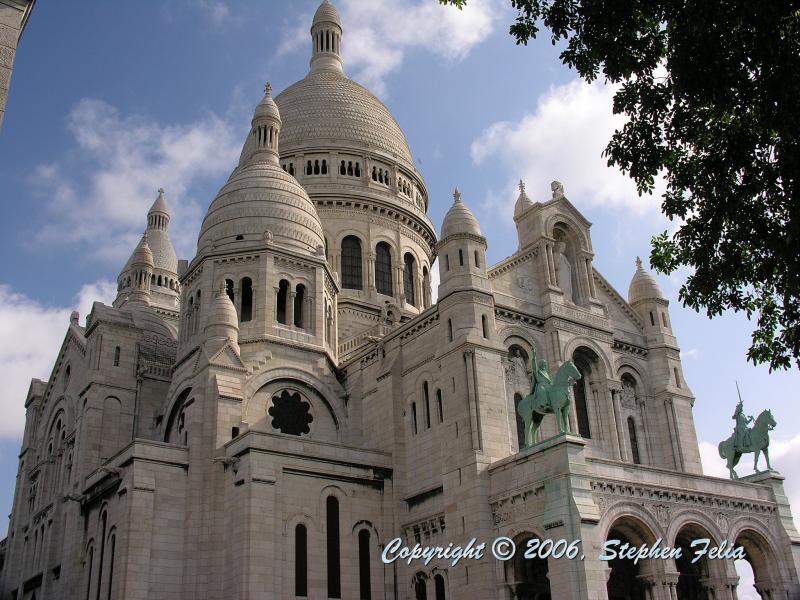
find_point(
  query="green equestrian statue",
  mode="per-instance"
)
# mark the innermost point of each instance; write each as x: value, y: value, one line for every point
x: 747, y: 439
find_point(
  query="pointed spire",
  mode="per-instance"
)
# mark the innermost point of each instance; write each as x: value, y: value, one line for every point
x: 638, y: 263
x: 326, y: 39
x: 265, y: 130
x: 158, y: 216
x: 523, y: 202
x: 457, y: 197
x: 459, y: 219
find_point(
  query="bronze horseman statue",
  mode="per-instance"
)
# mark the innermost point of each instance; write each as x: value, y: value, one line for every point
x: 747, y: 439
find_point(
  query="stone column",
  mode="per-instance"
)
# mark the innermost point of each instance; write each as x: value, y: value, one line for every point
x: 370, y: 272
x: 551, y: 268
x: 590, y: 272
x: 290, y: 307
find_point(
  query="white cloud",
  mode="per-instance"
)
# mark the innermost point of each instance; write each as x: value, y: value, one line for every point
x: 30, y: 338
x: 378, y: 34
x: 563, y: 139
x: 100, y: 194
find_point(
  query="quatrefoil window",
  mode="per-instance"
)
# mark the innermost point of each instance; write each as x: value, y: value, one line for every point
x: 290, y: 413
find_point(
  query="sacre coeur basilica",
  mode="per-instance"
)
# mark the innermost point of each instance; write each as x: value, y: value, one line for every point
x: 263, y: 420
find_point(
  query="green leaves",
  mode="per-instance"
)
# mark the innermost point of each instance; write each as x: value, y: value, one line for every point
x: 710, y: 91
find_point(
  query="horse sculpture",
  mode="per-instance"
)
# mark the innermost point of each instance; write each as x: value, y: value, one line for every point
x: 759, y: 442
x: 553, y: 398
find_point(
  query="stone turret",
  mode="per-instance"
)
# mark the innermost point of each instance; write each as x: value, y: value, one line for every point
x: 140, y: 273
x: 326, y: 34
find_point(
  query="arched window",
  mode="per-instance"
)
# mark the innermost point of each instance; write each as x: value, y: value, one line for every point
x: 414, y: 417
x: 103, y: 525
x: 316, y: 167
x: 439, y: 405
x: 309, y: 168
x: 484, y: 327
x: 283, y: 293
x: 426, y: 287
x: 383, y: 268
x: 581, y: 408
x: 365, y: 591
x: 229, y: 288
x: 477, y: 261
x: 446, y: 262
x: 351, y: 263
x: 112, y: 547
x: 520, y: 422
x: 438, y: 584
x: 300, y: 560
x: 425, y: 395
x: 342, y: 169
x: 357, y: 171
x: 449, y: 330
x: 299, y: 301
x: 460, y: 257
x: 324, y: 167
x: 409, y: 272
x: 116, y: 356
x: 420, y: 589
x: 246, y: 312
x: 334, y: 573
x: 89, y: 567
x: 634, y: 442
x: 68, y: 372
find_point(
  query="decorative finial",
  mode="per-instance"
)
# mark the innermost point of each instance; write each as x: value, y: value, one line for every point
x: 638, y: 263
x: 521, y: 186
x: 160, y: 191
x: 222, y: 289
x: 267, y: 89
x: 457, y: 196
x: 558, y: 189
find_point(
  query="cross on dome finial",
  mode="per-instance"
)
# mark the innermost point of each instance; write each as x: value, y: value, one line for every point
x: 521, y: 186
x: 267, y: 89
x: 638, y: 263
x: 160, y: 191
x: 456, y: 196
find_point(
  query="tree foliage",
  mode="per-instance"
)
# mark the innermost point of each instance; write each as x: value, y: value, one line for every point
x: 711, y: 91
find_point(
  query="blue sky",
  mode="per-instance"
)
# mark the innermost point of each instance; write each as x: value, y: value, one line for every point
x: 110, y: 101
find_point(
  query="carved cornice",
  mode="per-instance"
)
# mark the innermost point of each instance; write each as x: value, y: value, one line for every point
x: 515, y: 316
x: 512, y: 262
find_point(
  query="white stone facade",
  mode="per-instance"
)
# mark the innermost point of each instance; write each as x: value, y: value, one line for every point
x: 260, y: 421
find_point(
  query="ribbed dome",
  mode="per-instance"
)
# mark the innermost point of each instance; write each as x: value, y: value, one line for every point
x: 643, y: 286
x: 328, y: 110
x: 326, y: 13
x: 459, y: 219
x: 257, y: 199
x: 262, y: 202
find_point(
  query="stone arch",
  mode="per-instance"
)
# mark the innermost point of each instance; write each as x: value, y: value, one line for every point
x: 693, y: 577
x: 173, y: 411
x: 298, y: 518
x: 310, y: 382
x: 571, y: 224
x: 577, y: 342
x: 624, y: 366
x: 526, y: 578
x: 769, y: 567
x: 633, y: 526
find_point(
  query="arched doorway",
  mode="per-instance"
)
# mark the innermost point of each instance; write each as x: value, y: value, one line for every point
x: 625, y: 581
x: 527, y: 578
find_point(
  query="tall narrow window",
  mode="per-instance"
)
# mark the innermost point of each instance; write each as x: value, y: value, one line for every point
x: 520, y: 422
x: 299, y: 301
x: 300, y: 560
x: 103, y: 525
x: 634, y: 442
x: 414, y: 417
x: 283, y: 292
x: 112, y: 548
x: 365, y: 591
x: 439, y: 405
x: 351, y: 263
x: 484, y: 326
x: 581, y: 409
x: 89, y: 566
x: 449, y: 330
x: 409, y: 271
x: 246, y: 312
x: 427, y: 405
x: 383, y: 268
x: 334, y: 573
x: 677, y: 377
x: 229, y: 288
x: 446, y: 262
x: 664, y: 319
x: 652, y: 319
x: 420, y: 589
x: 116, y: 356
x: 477, y: 262
x: 438, y: 584
x: 460, y: 257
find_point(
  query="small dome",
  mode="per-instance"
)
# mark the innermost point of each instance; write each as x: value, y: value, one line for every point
x: 222, y: 314
x: 643, y: 286
x: 158, y: 218
x: 260, y: 201
x: 142, y: 255
x: 459, y: 219
x: 267, y: 107
x: 326, y: 13
x: 523, y: 202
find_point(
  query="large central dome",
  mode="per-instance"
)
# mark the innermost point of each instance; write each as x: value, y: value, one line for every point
x: 328, y: 109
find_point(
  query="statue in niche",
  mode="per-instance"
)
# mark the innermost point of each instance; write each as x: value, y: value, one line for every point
x: 518, y: 367
x: 628, y: 394
x: 564, y: 271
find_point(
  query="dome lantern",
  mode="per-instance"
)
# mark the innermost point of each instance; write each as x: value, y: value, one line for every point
x: 326, y: 39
